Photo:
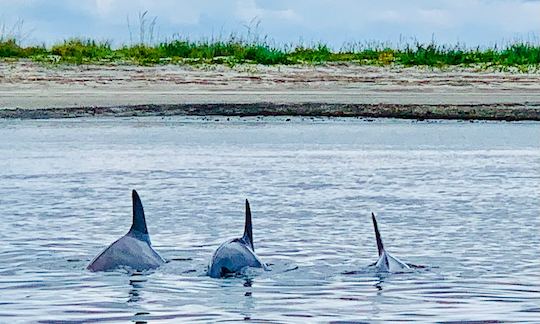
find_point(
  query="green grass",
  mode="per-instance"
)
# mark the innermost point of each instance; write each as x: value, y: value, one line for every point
x: 83, y: 51
x: 10, y: 49
x: 235, y: 51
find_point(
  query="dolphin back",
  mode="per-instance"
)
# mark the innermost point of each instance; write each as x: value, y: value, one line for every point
x: 231, y: 258
x: 128, y: 251
x: 389, y: 263
x: 133, y: 250
x: 386, y: 261
x: 235, y: 255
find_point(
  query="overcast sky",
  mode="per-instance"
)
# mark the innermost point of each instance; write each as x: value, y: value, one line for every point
x: 473, y: 22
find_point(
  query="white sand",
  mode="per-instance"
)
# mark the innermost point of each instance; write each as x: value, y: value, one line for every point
x: 30, y: 85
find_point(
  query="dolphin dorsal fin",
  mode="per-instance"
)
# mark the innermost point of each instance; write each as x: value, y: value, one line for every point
x: 380, y: 246
x: 248, y: 231
x: 139, y: 222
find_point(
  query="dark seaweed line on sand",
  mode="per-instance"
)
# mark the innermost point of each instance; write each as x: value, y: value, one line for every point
x: 508, y: 112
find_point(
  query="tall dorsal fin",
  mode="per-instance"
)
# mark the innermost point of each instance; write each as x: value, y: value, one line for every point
x: 380, y: 246
x: 248, y: 231
x: 139, y: 222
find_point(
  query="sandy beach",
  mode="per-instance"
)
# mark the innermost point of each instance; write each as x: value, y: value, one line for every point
x: 33, y: 90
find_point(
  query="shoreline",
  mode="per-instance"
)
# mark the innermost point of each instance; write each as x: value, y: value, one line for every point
x: 31, y: 91
x: 497, y: 112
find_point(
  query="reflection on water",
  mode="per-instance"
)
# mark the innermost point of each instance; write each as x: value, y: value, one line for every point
x: 136, y: 283
x: 459, y: 198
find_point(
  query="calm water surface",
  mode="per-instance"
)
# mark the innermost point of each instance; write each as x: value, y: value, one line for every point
x: 461, y: 198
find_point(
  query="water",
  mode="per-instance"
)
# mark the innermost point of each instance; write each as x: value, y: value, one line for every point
x: 461, y: 198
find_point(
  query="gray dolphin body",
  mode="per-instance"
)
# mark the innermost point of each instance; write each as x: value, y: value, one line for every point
x: 133, y: 250
x: 236, y: 254
x: 386, y: 262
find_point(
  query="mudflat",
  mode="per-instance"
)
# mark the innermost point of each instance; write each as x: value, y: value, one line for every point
x: 33, y: 90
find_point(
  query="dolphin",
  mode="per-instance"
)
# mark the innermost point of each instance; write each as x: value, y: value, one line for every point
x: 236, y: 254
x: 386, y: 262
x: 133, y: 250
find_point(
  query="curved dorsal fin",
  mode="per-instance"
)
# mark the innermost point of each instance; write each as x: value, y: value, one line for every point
x: 248, y: 231
x: 380, y: 246
x: 139, y: 222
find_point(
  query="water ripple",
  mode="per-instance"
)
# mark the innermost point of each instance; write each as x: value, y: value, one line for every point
x: 461, y: 199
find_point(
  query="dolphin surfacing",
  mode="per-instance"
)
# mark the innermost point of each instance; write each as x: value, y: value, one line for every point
x: 133, y: 250
x: 386, y: 262
x: 236, y: 254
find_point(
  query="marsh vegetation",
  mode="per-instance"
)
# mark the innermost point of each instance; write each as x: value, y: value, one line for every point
x: 250, y: 47
x: 236, y: 51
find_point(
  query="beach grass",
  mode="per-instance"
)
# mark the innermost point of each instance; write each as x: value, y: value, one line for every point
x: 237, y: 51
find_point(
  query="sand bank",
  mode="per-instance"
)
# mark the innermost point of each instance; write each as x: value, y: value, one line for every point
x: 31, y: 90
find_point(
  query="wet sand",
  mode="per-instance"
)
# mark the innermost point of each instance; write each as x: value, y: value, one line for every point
x: 32, y: 90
